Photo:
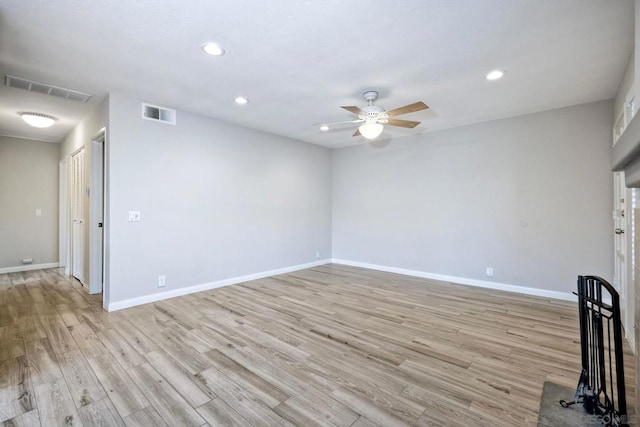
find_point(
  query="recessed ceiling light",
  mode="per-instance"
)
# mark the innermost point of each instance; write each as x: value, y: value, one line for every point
x: 38, y: 120
x: 241, y: 100
x: 324, y: 128
x: 495, y: 75
x: 212, y: 49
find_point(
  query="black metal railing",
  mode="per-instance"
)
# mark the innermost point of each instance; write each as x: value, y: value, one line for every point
x: 600, y: 392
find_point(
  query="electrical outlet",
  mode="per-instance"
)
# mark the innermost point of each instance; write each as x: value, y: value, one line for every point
x: 490, y: 271
x: 317, y: 254
x: 134, y: 216
x: 161, y: 281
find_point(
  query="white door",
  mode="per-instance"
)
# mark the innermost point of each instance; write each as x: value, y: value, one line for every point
x: 620, y: 242
x: 78, y: 214
x: 96, y: 215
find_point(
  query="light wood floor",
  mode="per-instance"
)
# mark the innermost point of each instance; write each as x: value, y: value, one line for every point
x: 331, y: 345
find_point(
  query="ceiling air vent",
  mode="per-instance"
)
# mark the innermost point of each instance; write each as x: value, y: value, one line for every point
x: 158, y: 114
x: 46, y: 89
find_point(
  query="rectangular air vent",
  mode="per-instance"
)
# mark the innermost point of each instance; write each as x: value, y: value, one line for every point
x: 46, y: 89
x: 158, y: 114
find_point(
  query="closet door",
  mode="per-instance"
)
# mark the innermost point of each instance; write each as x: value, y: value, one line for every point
x: 78, y: 213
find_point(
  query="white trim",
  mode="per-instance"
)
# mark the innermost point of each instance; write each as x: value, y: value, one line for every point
x: 63, y: 219
x: 119, y: 305
x: 567, y: 296
x: 28, y: 267
x: 631, y: 339
x: 96, y: 213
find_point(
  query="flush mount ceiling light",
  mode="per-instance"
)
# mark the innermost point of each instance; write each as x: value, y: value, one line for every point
x: 324, y: 128
x: 38, y: 120
x: 371, y: 130
x: 212, y: 49
x: 241, y: 100
x: 495, y: 75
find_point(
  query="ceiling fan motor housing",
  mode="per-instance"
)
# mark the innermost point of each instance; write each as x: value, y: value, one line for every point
x: 374, y: 113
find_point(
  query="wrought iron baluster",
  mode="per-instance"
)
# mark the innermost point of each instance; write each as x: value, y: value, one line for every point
x: 598, y: 363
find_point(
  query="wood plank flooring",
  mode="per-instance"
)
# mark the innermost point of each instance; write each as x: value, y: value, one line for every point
x: 331, y: 345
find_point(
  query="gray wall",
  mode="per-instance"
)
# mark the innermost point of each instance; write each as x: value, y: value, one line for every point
x: 530, y: 196
x: 217, y: 201
x: 88, y: 127
x: 28, y: 181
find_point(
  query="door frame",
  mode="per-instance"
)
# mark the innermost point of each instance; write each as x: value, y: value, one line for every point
x: 623, y: 218
x: 63, y: 219
x: 632, y: 194
x: 96, y: 213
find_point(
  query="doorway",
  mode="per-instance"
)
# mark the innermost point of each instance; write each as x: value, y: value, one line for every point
x: 96, y: 215
x: 623, y: 218
x: 86, y: 198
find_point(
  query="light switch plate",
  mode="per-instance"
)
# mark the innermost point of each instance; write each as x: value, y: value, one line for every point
x: 38, y: 212
x: 134, y: 216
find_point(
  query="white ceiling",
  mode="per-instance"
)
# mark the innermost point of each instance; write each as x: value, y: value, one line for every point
x: 299, y: 60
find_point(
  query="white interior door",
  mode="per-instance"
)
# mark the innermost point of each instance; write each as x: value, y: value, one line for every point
x: 96, y: 215
x: 620, y: 242
x: 78, y: 209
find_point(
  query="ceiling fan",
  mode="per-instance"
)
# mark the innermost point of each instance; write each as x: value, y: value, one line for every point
x: 374, y: 117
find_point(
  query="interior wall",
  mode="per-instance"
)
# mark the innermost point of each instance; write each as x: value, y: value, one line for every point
x: 87, y: 128
x: 28, y: 181
x: 529, y: 196
x: 636, y: 37
x: 216, y: 200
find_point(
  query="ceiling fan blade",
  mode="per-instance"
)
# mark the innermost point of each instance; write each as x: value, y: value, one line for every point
x: 352, y: 108
x: 416, y: 106
x: 357, y: 133
x: 403, y: 123
x: 339, y: 123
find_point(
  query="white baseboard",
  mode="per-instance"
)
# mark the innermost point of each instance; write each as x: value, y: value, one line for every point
x: 28, y: 267
x: 119, y: 305
x: 631, y: 339
x: 567, y: 296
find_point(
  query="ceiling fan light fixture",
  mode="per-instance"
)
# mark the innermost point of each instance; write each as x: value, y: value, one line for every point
x: 38, y: 120
x: 371, y: 130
